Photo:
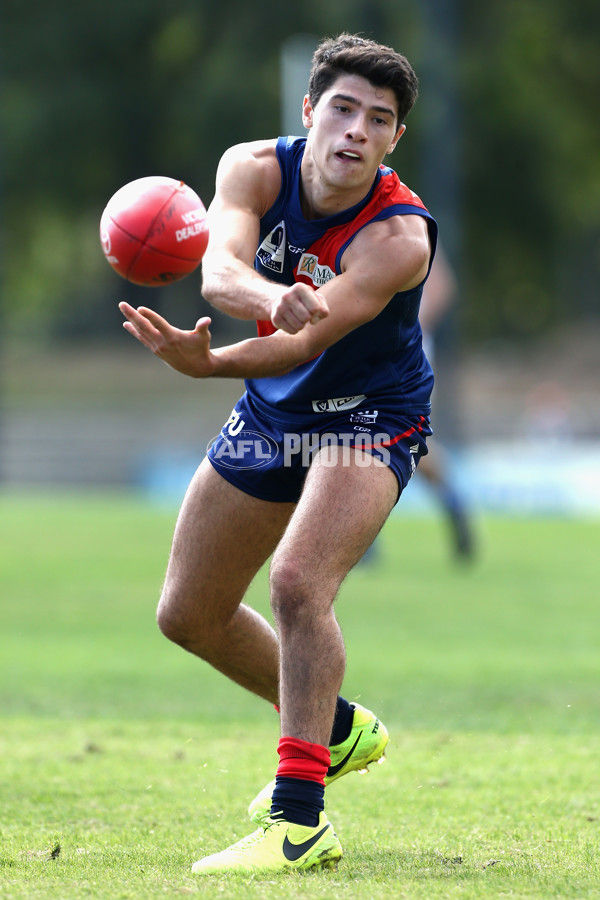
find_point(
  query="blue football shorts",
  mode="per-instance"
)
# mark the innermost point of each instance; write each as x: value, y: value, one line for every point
x: 269, y: 460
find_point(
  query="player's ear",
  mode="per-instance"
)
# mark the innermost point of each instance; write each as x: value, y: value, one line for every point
x: 397, y: 137
x: 307, y: 112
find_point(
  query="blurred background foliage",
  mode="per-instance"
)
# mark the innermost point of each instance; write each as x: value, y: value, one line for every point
x: 97, y: 94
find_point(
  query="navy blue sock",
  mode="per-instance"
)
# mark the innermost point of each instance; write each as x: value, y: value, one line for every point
x: 297, y: 800
x: 342, y: 723
x: 450, y: 500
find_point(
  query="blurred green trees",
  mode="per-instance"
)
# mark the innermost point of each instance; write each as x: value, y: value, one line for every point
x: 96, y: 94
x: 531, y: 82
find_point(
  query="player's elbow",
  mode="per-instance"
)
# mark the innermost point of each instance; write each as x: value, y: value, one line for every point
x: 212, y: 286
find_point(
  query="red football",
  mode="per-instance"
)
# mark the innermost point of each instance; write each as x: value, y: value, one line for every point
x: 153, y: 231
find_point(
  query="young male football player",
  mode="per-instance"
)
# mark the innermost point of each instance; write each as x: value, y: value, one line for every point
x: 328, y: 250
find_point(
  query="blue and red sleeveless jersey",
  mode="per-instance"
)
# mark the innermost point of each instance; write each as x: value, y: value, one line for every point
x: 381, y: 360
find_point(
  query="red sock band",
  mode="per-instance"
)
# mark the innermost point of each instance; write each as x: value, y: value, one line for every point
x: 301, y: 759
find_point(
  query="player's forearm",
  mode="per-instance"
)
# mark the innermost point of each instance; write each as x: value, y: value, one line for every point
x: 257, y: 357
x: 234, y: 288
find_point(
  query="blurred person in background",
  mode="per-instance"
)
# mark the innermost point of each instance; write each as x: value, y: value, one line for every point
x: 439, y: 294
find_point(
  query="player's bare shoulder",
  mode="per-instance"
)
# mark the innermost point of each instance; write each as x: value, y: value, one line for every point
x: 251, y: 170
x: 399, y: 246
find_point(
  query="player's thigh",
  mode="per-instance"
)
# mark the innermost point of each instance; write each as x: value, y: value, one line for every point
x: 222, y: 538
x: 344, y: 503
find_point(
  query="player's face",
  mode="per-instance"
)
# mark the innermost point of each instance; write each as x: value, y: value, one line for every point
x: 351, y: 128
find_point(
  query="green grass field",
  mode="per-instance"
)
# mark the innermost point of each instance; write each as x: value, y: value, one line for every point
x: 122, y: 759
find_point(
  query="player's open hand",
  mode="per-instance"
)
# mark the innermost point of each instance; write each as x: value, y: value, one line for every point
x: 298, y: 305
x: 187, y: 352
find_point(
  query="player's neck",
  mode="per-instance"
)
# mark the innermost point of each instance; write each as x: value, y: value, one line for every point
x: 327, y: 201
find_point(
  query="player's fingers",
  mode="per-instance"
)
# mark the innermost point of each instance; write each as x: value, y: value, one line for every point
x: 203, y: 324
x: 288, y: 322
x: 157, y: 321
x: 287, y: 316
x: 135, y: 316
x: 141, y: 337
x: 317, y: 308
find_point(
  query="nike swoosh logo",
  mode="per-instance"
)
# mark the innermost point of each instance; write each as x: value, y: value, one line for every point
x: 333, y: 770
x: 293, y: 852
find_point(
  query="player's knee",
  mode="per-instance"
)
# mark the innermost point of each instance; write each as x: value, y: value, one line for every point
x: 169, y: 621
x: 187, y: 621
x: 173, y: 617
x: 292, y: 590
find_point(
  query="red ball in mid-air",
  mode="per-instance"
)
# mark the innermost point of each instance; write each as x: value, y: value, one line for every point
x: 154, y: 231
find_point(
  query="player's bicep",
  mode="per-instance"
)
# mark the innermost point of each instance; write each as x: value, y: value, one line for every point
x: 233, y: 221
x: 392, y: 255
x: 245, y: 187
x: 233, y: 231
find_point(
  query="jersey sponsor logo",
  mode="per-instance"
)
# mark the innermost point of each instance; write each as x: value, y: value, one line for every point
x: 318, y: 274
x: 336, y: 404
x: 271, y: 252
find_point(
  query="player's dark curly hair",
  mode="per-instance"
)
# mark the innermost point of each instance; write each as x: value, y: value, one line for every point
x: 354, y: 55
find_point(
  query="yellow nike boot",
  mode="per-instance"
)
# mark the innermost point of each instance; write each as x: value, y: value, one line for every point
x: 276, y: 846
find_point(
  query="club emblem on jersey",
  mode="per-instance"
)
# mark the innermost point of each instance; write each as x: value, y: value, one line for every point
x: 272, y: 250
x: 309, y: 266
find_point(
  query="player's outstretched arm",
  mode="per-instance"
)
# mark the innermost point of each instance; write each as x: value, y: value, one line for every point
x: 386, y: 257
x: 248, y: 182
x: 189, y: 352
